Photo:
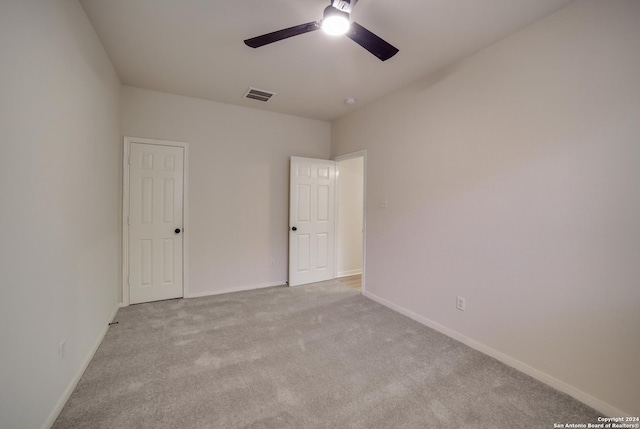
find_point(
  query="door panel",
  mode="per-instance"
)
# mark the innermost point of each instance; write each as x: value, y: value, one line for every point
x: 311, y: 212
x: 304, y: 210
x: 155, y: 211
x: 322, y: 250
x: 322, y: 214
x: 303, y: 243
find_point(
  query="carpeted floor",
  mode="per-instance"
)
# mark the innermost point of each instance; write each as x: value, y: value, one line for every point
x: 316, y: 356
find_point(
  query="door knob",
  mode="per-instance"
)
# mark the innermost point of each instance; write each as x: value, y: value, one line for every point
x: 177, y: 231
x: 293, y: 228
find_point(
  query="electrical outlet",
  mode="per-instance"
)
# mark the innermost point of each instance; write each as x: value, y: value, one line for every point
x: 460, y: 303
x: 62, y: 349
x: 272, y: 262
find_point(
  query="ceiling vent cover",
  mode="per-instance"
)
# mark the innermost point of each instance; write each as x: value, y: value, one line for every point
x: 259, y: 95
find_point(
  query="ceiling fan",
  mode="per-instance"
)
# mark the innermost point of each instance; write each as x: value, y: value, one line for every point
x: 335, y: 22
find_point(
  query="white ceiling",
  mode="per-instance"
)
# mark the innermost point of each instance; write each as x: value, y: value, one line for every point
x: 195, y: 47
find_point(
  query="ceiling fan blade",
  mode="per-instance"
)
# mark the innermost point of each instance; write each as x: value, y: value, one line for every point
x: 265, y: 39
x: 372, y: 43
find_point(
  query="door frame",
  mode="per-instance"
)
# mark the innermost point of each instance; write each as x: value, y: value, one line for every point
x: 125, y: 210
x: 358, y: 154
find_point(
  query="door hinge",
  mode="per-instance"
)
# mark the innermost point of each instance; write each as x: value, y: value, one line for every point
x: 128, y: 220
x: 129, y: 160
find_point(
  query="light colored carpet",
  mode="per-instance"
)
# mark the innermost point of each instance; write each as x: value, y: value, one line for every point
x: 316, y: 356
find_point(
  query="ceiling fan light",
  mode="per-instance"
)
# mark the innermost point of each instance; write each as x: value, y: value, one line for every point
x: 335, y: 22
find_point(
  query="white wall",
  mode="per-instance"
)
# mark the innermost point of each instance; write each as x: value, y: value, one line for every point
x: 349, y: 222
x: 513, y: 179
x: 59, y: 215
x: 238, y: 182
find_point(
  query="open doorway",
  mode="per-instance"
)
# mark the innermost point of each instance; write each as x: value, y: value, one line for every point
x: 350, y: 219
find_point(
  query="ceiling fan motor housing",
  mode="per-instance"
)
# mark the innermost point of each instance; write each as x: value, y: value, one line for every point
x: 344, y: 5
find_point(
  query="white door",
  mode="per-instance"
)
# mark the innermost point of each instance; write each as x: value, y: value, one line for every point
x: 311, y: 220
x: 155, y: 222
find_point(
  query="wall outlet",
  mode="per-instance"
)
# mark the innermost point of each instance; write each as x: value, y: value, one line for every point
x: 272, y: 262
x: 62, y: 349
x: 460, y: 303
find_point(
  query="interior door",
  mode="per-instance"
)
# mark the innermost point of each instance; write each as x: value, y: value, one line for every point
x: 311, y: 220
x: 155, y: 222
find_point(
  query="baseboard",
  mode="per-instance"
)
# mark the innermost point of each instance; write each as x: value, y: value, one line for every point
x: 74, y: 382
x: 350, y: 273
x: 595, y: 403
x: 234, y: 289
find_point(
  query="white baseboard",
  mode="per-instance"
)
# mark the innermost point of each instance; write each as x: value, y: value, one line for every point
x: 595, y: 403
x: 74, y: 382
x: 350, y: 273
x: 234, y: 289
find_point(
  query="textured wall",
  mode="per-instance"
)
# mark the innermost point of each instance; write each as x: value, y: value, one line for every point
x: 238, y: 182
x: 60, y: 209
x: 512, y: 179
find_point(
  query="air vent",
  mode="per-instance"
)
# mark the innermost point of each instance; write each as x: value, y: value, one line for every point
x: 259, y: 95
